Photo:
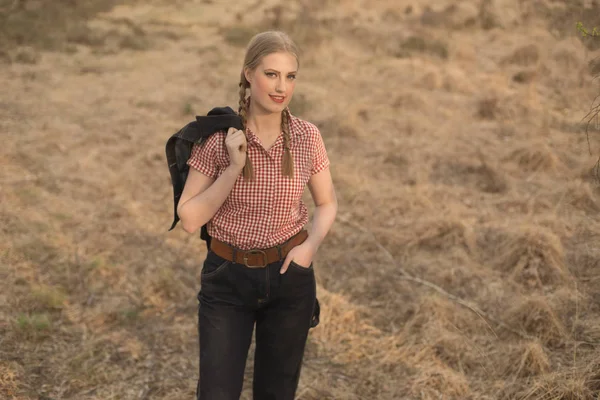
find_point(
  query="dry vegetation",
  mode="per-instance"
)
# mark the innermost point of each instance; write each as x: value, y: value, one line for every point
x: 465, y: 261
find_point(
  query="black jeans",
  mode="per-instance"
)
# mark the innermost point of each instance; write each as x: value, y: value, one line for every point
x: 232, y: 300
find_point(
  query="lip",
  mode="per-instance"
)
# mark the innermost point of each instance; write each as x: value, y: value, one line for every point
x: 278, y: 100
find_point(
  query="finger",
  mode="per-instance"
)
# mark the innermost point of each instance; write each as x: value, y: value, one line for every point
x: 233, y: 139
x: 235, y: 134
x: 237, y: 137
x: 284, y: 267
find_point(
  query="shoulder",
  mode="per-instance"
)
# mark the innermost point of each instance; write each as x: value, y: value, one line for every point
x: 303, y: 127
x: 217, y: 137
x: 211, y: 142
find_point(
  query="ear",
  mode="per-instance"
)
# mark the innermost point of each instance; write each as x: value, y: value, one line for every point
x: 248, y: 74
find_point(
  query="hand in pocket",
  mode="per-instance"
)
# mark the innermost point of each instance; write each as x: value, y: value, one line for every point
x: 302, y: 256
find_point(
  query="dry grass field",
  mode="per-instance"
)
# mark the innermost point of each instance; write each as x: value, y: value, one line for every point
x: 465, y: 259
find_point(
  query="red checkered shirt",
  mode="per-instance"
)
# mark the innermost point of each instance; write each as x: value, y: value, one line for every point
x: 268, y: 211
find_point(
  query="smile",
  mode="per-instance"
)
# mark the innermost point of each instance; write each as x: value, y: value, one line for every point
x: 277, y: 99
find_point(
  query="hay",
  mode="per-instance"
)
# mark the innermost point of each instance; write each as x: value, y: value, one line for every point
x: 534, y: 157
x: 587, y: 330
x: 489, y: 15
x: 526, y: 360
x: 409, y: 100
x: 9, y: 379
x: 579, y: 382
x: 536, y: 317
x: 582, y: 197
x: 46, y: 25
x: 488, y: 107
x: 344, y: 127
x: 524, y: 55
x: 440, y: 234
x: 531, y: 255
x: 557, y: 387
x: 434, y: 381
x: 481, y: 176
x: 525, y: 76
x: 301, y: 23
x: 569, y: 55
x: 583, y: 257
x: 457, y: 80
x: 435, y: 314
x: 592, y: 374
x: 589, y: 173
x: 353, y: 338
x: 456, y: 350
x: 423, y: 44
x: 461, y: 15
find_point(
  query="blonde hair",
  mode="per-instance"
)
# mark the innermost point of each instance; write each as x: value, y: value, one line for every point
x: 261, y: 45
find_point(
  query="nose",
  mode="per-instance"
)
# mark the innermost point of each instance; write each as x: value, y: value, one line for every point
x: 280, y: 88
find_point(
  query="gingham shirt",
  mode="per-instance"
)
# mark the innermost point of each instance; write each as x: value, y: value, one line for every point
x: 268, y: 211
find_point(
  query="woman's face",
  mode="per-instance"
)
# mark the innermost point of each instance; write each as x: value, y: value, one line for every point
x: 273, y: 81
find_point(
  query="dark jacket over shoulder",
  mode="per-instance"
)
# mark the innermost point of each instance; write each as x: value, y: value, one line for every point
x: 179, y: 148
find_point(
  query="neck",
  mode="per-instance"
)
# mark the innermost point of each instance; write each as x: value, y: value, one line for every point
x: 260, y: 121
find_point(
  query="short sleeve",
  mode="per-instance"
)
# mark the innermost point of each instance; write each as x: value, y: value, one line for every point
x: 204, y: 155
x: 320, y: 160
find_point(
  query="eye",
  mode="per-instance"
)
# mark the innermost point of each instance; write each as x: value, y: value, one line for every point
x: 292, y: 77
x: 270, y: 74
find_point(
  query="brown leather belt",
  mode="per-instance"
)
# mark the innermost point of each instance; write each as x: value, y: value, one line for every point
x: 257, y: 258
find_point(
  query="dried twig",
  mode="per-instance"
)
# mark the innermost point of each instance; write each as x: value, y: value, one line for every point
x: 405, y: 275
x: 590, y: 116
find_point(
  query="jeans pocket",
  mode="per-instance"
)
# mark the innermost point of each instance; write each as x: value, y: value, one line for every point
x: 213, y: 266
x: 298, y: 267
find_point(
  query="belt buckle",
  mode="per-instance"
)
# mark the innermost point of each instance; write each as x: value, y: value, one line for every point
x: 255, y: 251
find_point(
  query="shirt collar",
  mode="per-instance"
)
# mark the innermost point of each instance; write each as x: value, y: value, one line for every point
x: 295, y: 127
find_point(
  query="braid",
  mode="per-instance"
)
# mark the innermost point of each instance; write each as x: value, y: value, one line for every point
x: 287, y: 163
x: 243, y: 112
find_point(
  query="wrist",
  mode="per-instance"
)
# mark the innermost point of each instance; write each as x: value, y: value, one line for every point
x: 311, y: 245
x: 235, y: 168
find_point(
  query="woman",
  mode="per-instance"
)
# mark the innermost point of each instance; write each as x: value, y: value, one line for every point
x: 259, y: 268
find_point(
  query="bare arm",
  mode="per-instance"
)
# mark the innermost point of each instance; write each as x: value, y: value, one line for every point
x: 323, y: 194
x: 202, y: 196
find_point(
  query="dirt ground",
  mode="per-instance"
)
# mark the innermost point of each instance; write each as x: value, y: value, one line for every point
x: 465, y: 259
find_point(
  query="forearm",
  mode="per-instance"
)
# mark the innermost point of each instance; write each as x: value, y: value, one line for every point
x: 323, y: 218
x: 198, y: 210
